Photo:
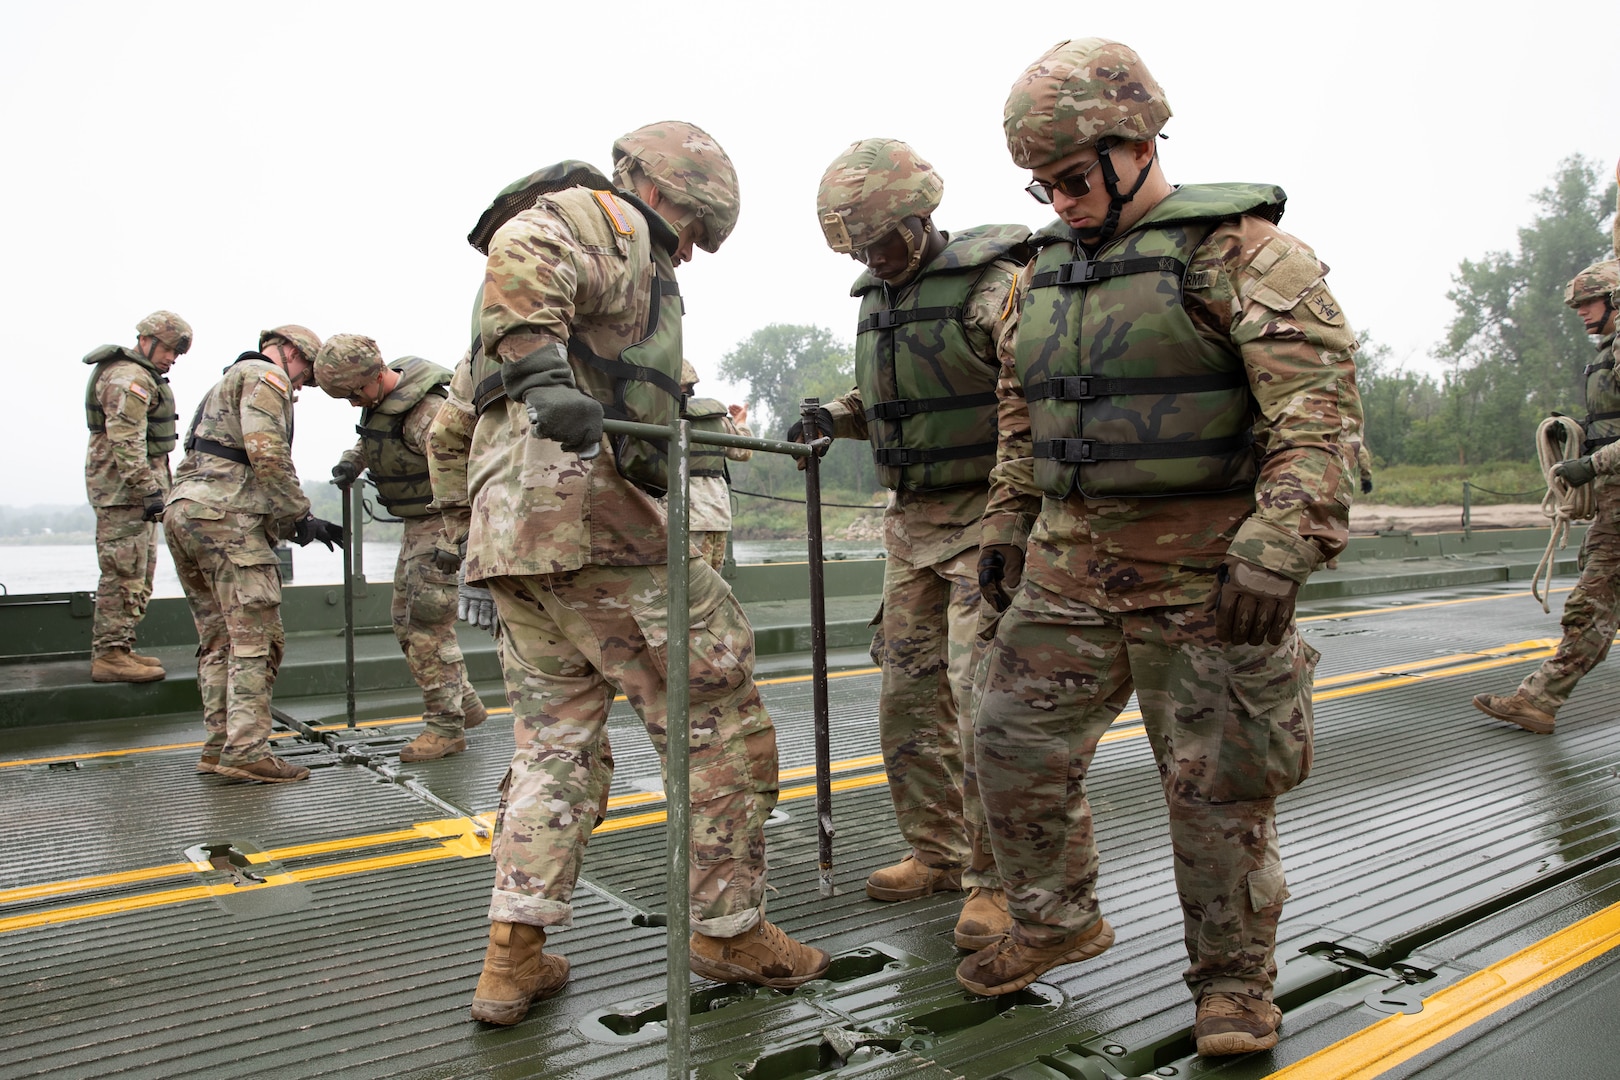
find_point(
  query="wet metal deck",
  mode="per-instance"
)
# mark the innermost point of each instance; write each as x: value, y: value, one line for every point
x: 1430, y: 842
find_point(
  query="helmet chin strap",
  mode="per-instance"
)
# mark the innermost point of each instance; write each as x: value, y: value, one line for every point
x: 1116, y: 201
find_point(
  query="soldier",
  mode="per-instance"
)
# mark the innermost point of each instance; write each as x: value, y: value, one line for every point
x: 1592, y: 610
x: 708, y: 499
x: 235, y: 494
x: 1171, y: 468
x: 398, y: 404
x: 130, y: 409
x: 933, y: 309
x: 581, y: 313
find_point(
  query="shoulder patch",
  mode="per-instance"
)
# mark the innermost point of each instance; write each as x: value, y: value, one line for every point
x: 615, y: 213
x: 276, y: 379
x: 140, y: 391
x: 1324, y: 307
x: 1287, y: 273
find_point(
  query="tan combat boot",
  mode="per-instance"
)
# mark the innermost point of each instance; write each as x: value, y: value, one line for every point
x: 267, y: 770
x: 430, y: 746
x: 1515, y: 709
x: 472, y: 710
x: 764, y: 956
x: 1235, y: 1024
x: 142, y: 658
x: 517, y: 972
x: 209, y: 761
x: 116, y: 665
x: 1010, y: 964
x: 984, y: 919
x: 909, y: 879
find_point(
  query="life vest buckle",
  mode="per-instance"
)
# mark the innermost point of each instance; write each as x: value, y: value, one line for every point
x: 1078, y: 272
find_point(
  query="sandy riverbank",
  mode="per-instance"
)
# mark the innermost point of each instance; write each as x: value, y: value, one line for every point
x: 1369, y: 518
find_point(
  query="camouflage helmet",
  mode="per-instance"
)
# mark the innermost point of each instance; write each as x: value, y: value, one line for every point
x: 870, y: 188
x: 686, y: 165
x: 301, y: 338
x: 689, y: 375
x: 1598, y: 280
x: 346, y: 363
x: 168, y: 328
x: 1078, y: 93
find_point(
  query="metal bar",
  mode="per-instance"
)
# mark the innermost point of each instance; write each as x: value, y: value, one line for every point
x: 349, y: 545
x: 1467, y: 508
x: 357, y: 548
x: 712, y: 438
x: 818, y: 652
x: 677, y: 742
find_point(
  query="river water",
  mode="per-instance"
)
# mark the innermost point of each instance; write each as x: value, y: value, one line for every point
x: 42, y: 568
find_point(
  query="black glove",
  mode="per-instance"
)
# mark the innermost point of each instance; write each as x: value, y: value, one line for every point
x: 1252, y: 604
x: 447, y: 556
x: 313, y: 528
x: 544, y: 381
x: 1001, y: 568
x: 566, y: 415
x: 344, y: 474
x: 152, y: 507
x: 1577, y: 473
x: 823, y: 425
x: 1366, y: 485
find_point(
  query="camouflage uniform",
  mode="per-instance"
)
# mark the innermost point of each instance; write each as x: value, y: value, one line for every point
x: 223, y: 518
x: 122, y: 466
x: 708, y: 490
x: 1116, y: 594
x: 575, y: 557
x: 1592, y: 610
x: 424, y: 600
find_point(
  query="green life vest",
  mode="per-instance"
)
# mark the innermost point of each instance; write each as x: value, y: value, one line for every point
x: 161, y: 414
x: 930, y: 399
x: 706, y: 414
x: 1602, y: 399
x: 641, y: 384
x: 400, y: 473
x: 1126, y: 398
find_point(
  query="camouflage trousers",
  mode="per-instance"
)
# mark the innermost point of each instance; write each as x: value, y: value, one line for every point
x: 926, y: 643
x: 1591, y: 617
x: 424, y: 617
x: 712, y: 547
x: 1230, y: 727
x: 233, y: 582
x: 126, y: 548
x: 572, y: 639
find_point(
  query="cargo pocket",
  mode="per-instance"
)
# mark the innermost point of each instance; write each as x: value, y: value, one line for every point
x: 720, y: 646
x: 1267, y: 887
x: 1266, y: 740
x: 879, y: 650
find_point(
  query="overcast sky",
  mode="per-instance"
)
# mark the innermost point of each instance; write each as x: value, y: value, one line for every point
x: 253, y: 164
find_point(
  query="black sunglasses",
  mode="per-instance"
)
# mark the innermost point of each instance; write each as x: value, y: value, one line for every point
x: 1074, y: 185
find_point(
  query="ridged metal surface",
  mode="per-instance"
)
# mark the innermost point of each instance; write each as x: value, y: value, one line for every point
x: 1418, y: 807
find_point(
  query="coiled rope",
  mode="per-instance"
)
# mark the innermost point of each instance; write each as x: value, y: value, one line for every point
x: 1559, y: 439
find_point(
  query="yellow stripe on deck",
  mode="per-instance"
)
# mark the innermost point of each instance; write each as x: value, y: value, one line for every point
x: 1377, y: 1049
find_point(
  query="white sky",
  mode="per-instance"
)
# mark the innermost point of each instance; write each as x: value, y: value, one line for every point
x: 321, y: 163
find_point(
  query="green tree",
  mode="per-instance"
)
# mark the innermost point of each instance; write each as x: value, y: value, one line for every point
x: 1400, y: 409
x: 1515, y: 352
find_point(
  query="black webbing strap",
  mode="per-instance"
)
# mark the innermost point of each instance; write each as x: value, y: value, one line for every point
x: 889, y: 318
x: 1089, y: 387
x: 1606, y: 365
x: 1601, y: 416
x: 1590, y: 445
x: 1086, y: 271
x: 620, y: 369
x: 901, y: 456
x: 900, y: 408
x: 488, y: 392
x: 421, y: 500
x: 220, y: 450
x: 1089, y: 451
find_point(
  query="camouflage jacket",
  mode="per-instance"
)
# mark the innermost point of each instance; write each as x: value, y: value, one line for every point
x: 117, y: 469
x: 567, y: 267
x: 250, y: 408
x: 927, y: 528
x: 419, y: 418
x: 1298, y: 352
x: 449, y: 439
